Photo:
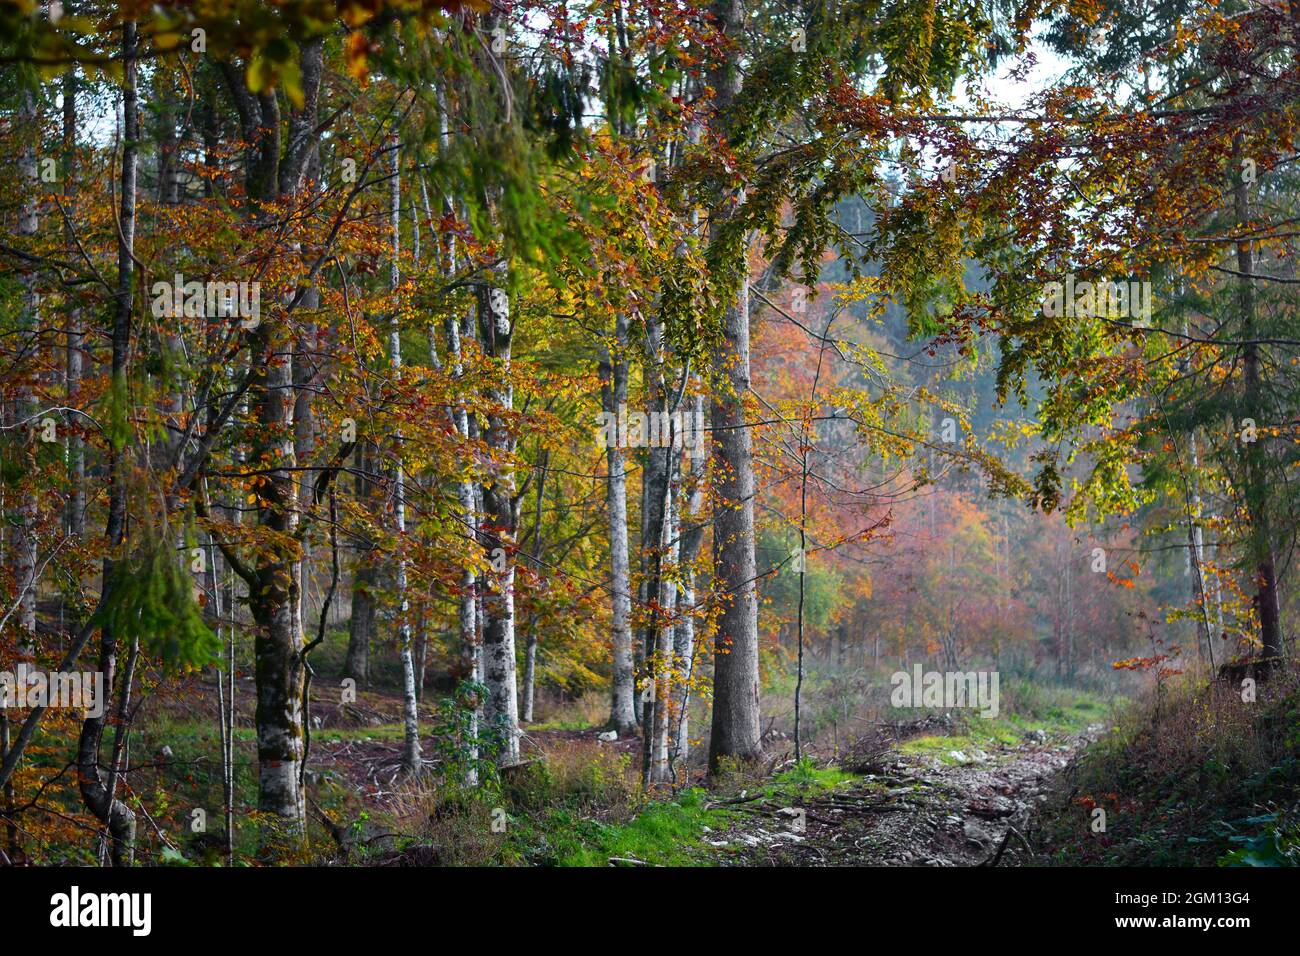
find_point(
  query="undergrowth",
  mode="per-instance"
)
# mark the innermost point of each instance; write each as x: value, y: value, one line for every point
x: 1194, y: 777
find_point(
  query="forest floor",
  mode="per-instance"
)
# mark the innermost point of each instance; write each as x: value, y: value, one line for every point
x: 1214, y: 782
x: 1205, y: 779
x: 931, y: 800
x: 918, y: 789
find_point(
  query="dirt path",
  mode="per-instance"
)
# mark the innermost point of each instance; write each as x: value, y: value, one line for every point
x: 961, y: 809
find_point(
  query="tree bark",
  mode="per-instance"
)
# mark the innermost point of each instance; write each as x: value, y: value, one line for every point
x: 692, y: 537
x: 501, y: 712
x: 530, y: 649
x: 25, y: 543
x: 471, y: 650
x: 613, y: 375
x: 76, y: 514
x: 1257, y: 494
x: 410, y: 704
x: 735, y: 727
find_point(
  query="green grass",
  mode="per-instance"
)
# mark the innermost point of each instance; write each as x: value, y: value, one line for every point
x: 559, y: 723
x: 662, y: 834
x: 1058, y: 712
x: 940, y: 747
x: 805, y: 776
x: 1052, y: 708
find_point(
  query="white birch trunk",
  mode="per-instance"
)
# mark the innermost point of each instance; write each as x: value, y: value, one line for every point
x: 690, y: 540
x: 499, y: 666
x: 410, y: 703
x: 663, y: 669
x: 467, y: 604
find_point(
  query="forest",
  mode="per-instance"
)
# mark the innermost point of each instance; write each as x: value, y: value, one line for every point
x: 648, y: 433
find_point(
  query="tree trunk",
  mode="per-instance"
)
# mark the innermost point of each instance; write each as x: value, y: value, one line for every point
x: 667, y: 601
x: 735, y: 728
x: 97, y: 793
x: 613, y: 374
x: 502, y: 706
x: 691, y: 538
x: 467, y: 611
x: 365, y: 581
x: 655, y: 542
x: 530, y: 649
x: 76, y: 515
x: 471, y: 656
x: 1257, y: 496
x: 274, y: 169
x: 25, y: 544
x: 361, y: 627
x: 410, y: 706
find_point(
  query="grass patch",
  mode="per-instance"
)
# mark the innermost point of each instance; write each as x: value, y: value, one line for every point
x: 1026, y: 708
x: 666, y: 833
x: 672, y: 832
x: 805, y: 776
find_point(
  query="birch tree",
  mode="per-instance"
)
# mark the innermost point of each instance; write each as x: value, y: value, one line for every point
x: 410, y: 704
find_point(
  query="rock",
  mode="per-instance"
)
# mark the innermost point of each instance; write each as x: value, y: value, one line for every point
x: 608, y: 736
x: 165, y: 752
x: 975, y: 833
x: 959, y: 757
x: 795, y: 816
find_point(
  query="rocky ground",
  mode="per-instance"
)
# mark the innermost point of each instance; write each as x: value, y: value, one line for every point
x: 955, y: 808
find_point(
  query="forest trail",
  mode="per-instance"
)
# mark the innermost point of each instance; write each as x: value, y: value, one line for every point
x: 942, y: 808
